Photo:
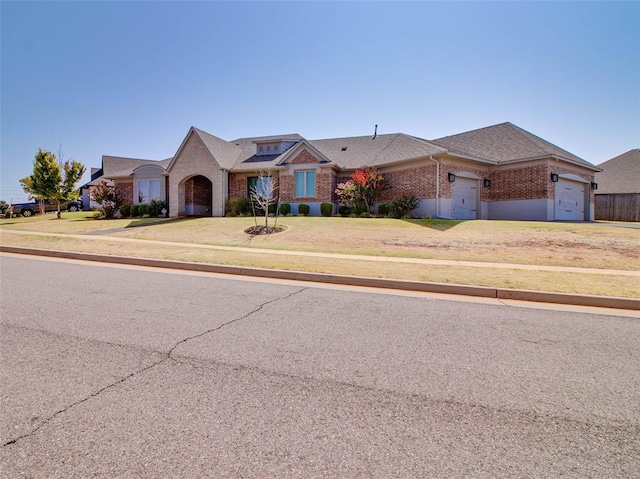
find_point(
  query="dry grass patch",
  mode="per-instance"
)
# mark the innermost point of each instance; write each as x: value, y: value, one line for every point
x: 552, y: 244
x: 608, y: 285
x: 80, y: 222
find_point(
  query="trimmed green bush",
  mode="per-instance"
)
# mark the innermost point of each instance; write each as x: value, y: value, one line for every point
x: 134, y: 211
x: 273, y: 207
x: 383, y: 209
x: 285, y: 209
x: 143, y: 210
x: 401, y: 207
x: 237, y: 207
x: 326, y: 209
x: 344, y: 211
x: 303, y: 209
x: 125, y: 211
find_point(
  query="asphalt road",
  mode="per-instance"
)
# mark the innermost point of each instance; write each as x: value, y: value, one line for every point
x: 125, y: 372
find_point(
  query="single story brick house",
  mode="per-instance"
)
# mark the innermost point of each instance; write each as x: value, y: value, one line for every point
x: 497, y: 172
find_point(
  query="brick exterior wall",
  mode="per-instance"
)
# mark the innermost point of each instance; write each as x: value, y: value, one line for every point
x: 287, y: 189
x: 519, y: 183
x: 238, y: 183
x: 197, y: 191
x: 419, y: 181
x: 304, y: 158
x: 125, y: 192
x: 325, y: 187
x: 526, y: 183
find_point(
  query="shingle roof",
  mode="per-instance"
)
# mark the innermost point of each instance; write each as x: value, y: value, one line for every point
x: 503, y: 143
x: 496, y: 144
x: 364, y: 151
x: 226, y: 153
x: 117, y: 166
x: 620, y: 174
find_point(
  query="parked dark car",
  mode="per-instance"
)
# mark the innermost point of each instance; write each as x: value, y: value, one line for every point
x: 29, y: 209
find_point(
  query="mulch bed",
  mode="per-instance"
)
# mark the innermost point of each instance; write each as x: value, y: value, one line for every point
x: 264, y: 230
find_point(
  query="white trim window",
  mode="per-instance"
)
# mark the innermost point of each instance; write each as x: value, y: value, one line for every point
x: 306, y: 184
x: 148, y: 190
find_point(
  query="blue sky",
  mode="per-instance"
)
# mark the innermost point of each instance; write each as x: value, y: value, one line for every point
x: 130, y: 78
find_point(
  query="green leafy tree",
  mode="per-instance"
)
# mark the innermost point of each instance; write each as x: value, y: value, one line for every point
x: 44, y: 181
x: 52, y: 180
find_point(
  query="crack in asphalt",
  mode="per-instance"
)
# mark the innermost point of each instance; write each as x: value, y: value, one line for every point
x: 167, y: 356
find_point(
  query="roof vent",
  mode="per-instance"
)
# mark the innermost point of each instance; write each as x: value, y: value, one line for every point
x: 344, y: 148
x: 375, y: 133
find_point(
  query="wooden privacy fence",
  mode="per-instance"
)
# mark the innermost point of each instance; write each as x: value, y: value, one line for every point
x: 618, y: 207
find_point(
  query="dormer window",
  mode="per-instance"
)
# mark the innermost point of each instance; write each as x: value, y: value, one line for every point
x: 273, y: 146
x: 269, y: 148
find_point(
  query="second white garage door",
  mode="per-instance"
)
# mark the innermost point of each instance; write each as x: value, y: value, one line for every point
x: 465, y: 199
x: 569, y: 202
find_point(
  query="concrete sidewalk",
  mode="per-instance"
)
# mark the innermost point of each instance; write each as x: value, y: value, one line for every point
x: 383, y: 259
x: 379, y: 283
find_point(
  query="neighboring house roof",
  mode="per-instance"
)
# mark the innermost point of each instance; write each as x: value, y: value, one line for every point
x: 620, y: 174
x: 504, y: 143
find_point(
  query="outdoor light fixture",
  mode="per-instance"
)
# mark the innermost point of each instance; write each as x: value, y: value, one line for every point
x: 554, y: 177
x: 487, y: 182
x: 594, y: 186
x: 452, y: 177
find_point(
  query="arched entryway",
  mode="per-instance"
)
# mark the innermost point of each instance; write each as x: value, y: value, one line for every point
x: 196, y: 195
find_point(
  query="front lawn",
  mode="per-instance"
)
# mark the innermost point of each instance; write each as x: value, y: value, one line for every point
x: 584, y: 245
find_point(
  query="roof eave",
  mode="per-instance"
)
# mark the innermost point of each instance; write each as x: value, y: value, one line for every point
x: 546, y: 157
x: 469, y: 157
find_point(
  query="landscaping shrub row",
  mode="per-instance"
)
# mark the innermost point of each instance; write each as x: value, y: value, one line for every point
x: 152, y: 209
x: 396, y: 208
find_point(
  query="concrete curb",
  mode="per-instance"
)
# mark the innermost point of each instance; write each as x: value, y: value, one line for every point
x: 459, y: 289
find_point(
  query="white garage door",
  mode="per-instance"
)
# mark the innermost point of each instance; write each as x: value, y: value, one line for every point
x: 465, y: 199
x: 569, y: 202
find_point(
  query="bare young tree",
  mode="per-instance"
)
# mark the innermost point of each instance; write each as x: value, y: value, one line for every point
x: 263, y: 195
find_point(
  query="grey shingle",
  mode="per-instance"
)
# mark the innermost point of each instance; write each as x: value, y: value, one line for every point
x: 504, y: 142
x: 224, y: 152
x: 620, y: 174
x: 496, y: 144
x: 117, y: 166
x: 362, y: 151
